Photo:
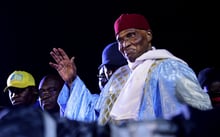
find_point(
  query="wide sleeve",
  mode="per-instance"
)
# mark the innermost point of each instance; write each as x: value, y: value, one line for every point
x: 78, y: 102
x: 185, y: 83
x: 188, y: 90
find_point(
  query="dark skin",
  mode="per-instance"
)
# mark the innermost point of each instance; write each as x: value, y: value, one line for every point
x: 64, y: 65
x: 132, y: 44
x: 214, y: 93
x: 105, y: 73
x: 214, y: 87
x: 102, y: 78
x: 22, y: 96
x: 49, y: 89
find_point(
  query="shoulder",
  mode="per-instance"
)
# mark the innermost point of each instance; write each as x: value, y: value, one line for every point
x: 122, y: 71
x: 172, y: 67
x: 172, y: 64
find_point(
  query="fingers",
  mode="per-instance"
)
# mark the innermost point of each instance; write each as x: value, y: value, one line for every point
x: 62, y: 54
x: 53, y: 65
x: 58, y: 55
x: 61, y: 59
x: 55, y: 55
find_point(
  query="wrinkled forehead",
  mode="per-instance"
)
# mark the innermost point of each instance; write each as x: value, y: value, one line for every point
x: 125, y: 32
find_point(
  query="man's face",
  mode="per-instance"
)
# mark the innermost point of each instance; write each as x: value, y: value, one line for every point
x: 214, y: 87
x: 214, y: 93
x: 102, y: 77
x: 48, y: 94
x: 133, y: 43
x: 21, y: 96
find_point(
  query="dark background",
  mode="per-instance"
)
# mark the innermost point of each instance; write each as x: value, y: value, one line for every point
x: 29, y: 29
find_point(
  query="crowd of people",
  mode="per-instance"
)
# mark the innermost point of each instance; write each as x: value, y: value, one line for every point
x: 140, y: 86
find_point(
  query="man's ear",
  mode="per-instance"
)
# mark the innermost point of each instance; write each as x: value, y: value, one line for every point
x: 149, y: 35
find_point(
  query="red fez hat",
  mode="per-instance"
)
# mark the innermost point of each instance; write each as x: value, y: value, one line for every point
x: 126, y: 21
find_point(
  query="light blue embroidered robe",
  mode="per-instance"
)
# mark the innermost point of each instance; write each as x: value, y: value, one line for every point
x: 171, y: 86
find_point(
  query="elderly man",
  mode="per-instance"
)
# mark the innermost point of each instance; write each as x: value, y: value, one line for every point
x: 156, y: 85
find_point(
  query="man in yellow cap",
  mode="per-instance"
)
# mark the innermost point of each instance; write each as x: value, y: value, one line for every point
x: 22, y: 89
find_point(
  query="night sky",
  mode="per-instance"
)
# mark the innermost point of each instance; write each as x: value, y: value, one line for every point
x: 30, y: 29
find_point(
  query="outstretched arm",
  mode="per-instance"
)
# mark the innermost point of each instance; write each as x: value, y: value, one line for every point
x: 64, y: 65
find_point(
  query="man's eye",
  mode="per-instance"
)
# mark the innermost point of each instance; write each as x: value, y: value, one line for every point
x: 131, y: 34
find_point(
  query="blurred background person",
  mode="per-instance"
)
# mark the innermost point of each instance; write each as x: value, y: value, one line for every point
x: 209, y: 79
x: 49, y: 89
x: 112, y: 59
